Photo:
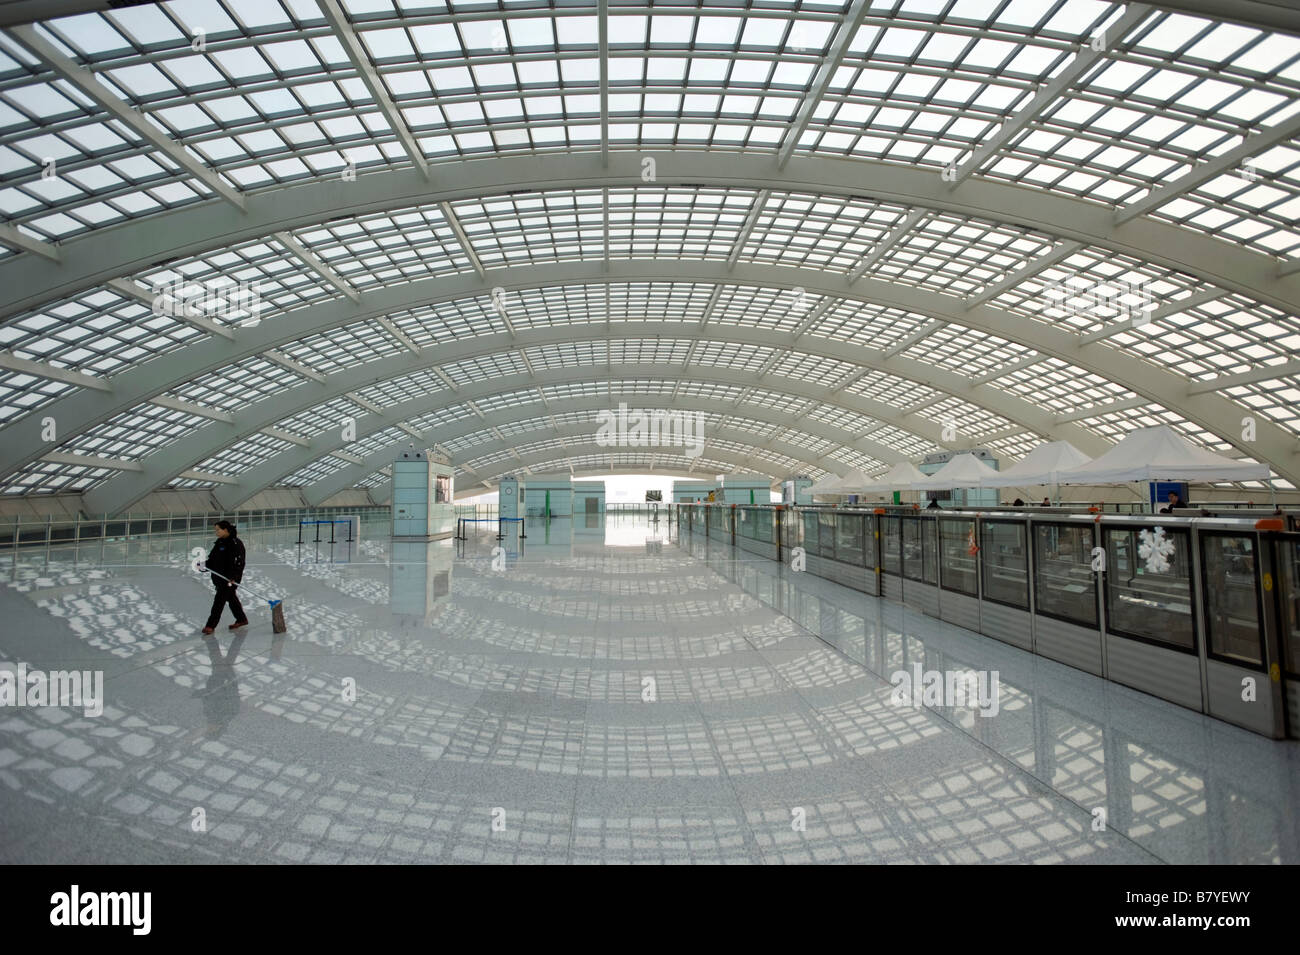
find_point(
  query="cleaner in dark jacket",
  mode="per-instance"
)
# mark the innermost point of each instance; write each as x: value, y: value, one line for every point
x: 227, y: 559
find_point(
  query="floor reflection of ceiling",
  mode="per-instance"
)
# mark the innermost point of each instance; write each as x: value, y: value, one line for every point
x: 526, y: 688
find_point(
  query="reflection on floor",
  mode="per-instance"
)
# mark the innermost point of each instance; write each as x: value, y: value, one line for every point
x: 595, y: 692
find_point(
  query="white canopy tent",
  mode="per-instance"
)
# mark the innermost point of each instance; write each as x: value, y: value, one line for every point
x: 1042, y: 465
x: 826, y: 483
x: 963, y: 470
x: 855, y: 482
x: 1161, y: 454
x: 901, y: 477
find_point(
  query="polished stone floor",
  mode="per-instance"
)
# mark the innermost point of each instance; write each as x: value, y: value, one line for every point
x: 600, y: 693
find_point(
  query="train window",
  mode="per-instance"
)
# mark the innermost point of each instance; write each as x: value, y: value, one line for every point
x: 848, y: 539
x: 890, y: 537
x: 958, y: 562
x: 1145, y: 602
x: 1231, y: 598
x: 1064, y: 585
x: 1006, y: 577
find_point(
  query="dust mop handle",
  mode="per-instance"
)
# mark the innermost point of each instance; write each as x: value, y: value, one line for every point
x: 239, y: 584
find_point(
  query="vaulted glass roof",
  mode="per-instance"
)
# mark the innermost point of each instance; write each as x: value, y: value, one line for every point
x: 847, y: 234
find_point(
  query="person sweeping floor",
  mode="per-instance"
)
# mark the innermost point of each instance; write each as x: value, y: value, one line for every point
x: 225, y: 564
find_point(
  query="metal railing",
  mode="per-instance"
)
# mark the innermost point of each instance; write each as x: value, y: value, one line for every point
x: 24, y: 532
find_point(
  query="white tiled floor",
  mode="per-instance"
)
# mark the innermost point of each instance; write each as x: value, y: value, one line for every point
x: 600, y: 702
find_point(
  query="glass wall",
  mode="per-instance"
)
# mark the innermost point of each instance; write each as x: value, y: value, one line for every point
x: 919, y: 557
x: 1231, y: 599
x: 810, y: 539
x: 848, y: 539
x: 890, y: 550
x: 1142, y: 601
x: 958, y: 564
x: 1006, y: 567
x: 1289, y: 571
x: 1064, y: 584
x: 827, y: 531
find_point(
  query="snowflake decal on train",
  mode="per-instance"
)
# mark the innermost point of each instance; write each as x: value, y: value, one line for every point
x: 1156, y: 549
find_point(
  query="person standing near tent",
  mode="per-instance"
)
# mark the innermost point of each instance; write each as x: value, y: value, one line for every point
x: 1175, y: 500
x: 227, y: 559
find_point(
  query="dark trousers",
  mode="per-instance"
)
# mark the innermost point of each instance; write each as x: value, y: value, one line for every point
x: 226, y: 594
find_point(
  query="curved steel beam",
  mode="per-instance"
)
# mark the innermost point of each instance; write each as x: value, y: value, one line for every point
x: 123, y: 250
x: 552, y: 460
x: 288, y: 462
x: 379, y: 459
x: 81, y: 410
x: 116, y: 494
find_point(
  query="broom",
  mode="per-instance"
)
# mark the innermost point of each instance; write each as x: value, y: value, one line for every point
x: 277, y: 606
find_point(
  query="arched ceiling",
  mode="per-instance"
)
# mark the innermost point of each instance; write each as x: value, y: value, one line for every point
x: 847, y: 234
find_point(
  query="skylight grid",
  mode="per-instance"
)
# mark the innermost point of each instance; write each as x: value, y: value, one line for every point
x: 374, y: 443
x: 1228, y: 335
x: 1277, y: 399
x: 822, y: 232
x: 1094, y: 289
x: 727, y: 355
x: 639, y: 351
x: 484, y: 367
x: 315, y: 472
x: 387, y: 249
x: 959, y: 256
x: 1257, y: 204
x: 344, y: 347
x: 184, y: 79
x: 245, y: 455
x: 326, y: 416
x: 403, y: 388
x: 508, y: 401
x: 240, y: 384
x: 133, y: 434
x: 459, y: 447
x: 865, y: 323
x: 1060, y: 387
x: 970, y: 420
x: 700, y: 223
x: 906, y: 443
x: 841, y: 418
x: 99, y: 332
x: 532, y: 228
x: 21, y: 394
x: 891, y: 390
x: 816, y: 369
x: 67, y: 166
x: 634, y: 387
x: 964, y: 351
x: 442, y: 417
x: 768, y: 308
x: 46, y: 477
x: 568, y: 354
x: 274, y: 280
x: 575, y: 389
